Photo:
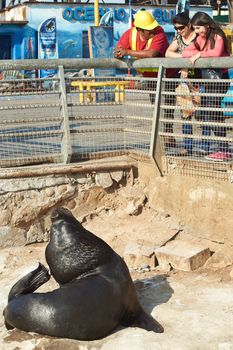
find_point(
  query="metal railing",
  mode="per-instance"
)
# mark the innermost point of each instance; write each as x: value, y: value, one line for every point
x: 72, y: 117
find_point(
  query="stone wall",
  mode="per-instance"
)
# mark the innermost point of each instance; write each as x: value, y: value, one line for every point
x: 26, y: 202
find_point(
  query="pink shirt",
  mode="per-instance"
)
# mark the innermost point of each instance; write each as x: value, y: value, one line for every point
x: 217, y: 51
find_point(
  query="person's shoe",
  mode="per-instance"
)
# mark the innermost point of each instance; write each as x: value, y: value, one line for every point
x: 177, y: 152
x: 182, y: 152
x: 219, y: 156
x: 201, y: 152
x: 169, y: 142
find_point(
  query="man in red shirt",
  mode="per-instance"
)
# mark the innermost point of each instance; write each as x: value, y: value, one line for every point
x: 146, y: 39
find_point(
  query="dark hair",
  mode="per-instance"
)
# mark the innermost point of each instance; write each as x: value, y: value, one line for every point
x: 181, y: 18
x: 202, y: 19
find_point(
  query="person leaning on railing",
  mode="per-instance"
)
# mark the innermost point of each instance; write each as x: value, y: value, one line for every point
x: 184, y: 37
x: 211, y: 41
x: 146, y: 39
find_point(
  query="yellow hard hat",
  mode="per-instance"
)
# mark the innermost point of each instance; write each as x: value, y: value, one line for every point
x: 144, y: 20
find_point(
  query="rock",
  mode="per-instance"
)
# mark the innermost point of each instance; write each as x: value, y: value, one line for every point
x: 117, y: 175
x: 164, y: 266
x: 49, y: 192
x: 182, y: 255
x: 36, y: 233
x: 104, y: 180
x: 5, y: 217
x: 139, y: 254
x: 62, y: 189
x: 86, y: 180
x: 220, y: 259
x: 7, y: 185
x: 134, y: 207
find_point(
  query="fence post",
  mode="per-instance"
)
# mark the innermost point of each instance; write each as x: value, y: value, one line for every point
x: 66, y: 147
x: 155, y: 149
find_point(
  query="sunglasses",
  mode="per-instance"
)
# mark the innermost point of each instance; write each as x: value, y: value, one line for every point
x: 179, y: 28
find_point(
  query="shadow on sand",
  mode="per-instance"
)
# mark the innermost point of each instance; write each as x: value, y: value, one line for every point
x: 153, y: 291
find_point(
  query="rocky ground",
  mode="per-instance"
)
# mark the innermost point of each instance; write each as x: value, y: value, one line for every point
x: 195, y: 308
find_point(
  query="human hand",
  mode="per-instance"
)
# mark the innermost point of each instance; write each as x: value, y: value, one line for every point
x: 194, y: 58
x: 184, y: 73
x: 117, y: 52
x: 120, y: 52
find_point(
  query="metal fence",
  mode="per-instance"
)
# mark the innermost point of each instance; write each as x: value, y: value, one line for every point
x: 184, y: 126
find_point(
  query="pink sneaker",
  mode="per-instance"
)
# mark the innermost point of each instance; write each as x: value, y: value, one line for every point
x: 219, y: 156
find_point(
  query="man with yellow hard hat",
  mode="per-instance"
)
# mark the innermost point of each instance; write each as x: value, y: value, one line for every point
x: 145, y: 40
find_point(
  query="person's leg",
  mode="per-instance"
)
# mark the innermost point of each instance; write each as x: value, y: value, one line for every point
x: 221, y: 131
x: 206, y: 129
x: 205, y: 143
x: 187, y: 129
x: 169, y: 100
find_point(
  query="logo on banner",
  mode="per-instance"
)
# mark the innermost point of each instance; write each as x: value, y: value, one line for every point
x: 47, y: 44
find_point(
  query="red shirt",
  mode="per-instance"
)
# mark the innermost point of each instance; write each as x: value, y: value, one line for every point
x: 159, y: 43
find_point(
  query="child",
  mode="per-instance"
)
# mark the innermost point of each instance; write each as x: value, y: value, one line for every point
x: 210, y: 42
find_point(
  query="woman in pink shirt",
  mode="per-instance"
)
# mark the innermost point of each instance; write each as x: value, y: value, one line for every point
x: 210, y: 42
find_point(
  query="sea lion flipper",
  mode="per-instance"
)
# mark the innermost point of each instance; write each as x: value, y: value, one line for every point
x: 29, y: 283
x: 8, y: 326
x: 147, y: 322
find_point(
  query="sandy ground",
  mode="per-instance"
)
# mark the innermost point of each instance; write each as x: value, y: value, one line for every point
x: 195, y: 308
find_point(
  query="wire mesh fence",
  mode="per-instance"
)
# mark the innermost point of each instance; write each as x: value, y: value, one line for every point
x: 196, y: 127
x: 29, y: 122
x: 185, y: 124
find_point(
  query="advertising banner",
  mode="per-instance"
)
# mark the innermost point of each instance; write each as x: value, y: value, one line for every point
x: 47, y: 44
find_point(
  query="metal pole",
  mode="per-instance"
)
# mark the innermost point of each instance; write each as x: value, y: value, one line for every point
x: 66, y: 147
x: 96, y: 12
x: 155, y: 148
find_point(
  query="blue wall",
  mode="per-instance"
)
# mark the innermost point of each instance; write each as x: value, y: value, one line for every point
x: 72, y: 20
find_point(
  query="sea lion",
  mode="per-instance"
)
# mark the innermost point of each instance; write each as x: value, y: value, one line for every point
x: 96, y: 293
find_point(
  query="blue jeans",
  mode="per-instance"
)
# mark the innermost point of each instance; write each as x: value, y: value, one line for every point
x: 209, y: 116
x: 213, y: 116
x: 187, y: 129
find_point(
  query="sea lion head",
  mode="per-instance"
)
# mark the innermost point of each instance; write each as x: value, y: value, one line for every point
x: 73, y: 250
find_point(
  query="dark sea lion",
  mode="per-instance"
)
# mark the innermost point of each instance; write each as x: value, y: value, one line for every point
x: 96, y: 293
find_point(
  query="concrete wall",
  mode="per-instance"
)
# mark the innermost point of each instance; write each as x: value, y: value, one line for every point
x: 204, y: 206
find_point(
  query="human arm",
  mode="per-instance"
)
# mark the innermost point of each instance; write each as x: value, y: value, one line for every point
x: 122, y: 45
x: 192, y: 52
x: 149, y: 53
x: 156, y: 48
x: 172, y: 50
